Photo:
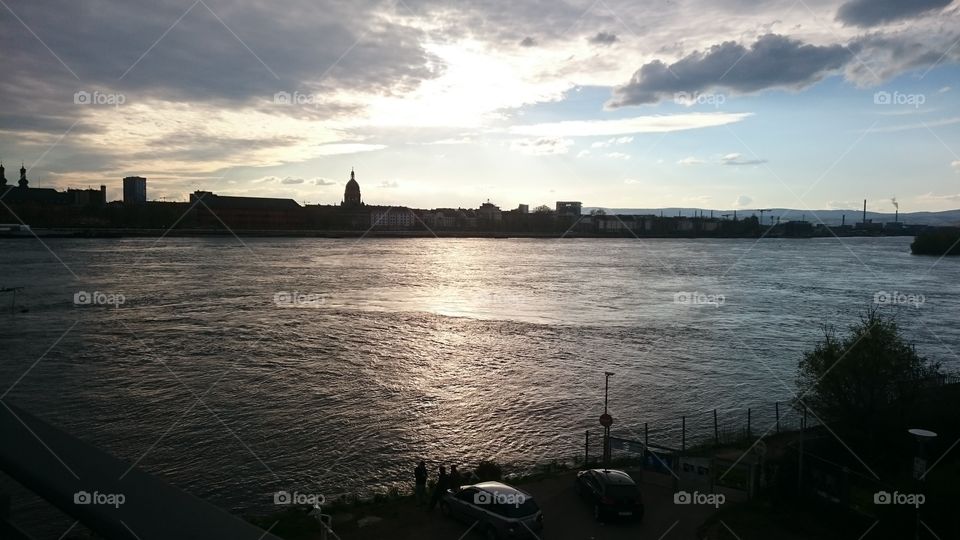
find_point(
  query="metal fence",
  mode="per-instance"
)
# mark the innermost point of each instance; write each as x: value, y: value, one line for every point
x: 711, y: 428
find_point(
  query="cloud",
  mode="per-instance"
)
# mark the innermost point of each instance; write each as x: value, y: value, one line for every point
x: 632, y: 181
x: 543, y: 146
x: 638, y: 124
x: 773, y: 61
x: 291, y: 181
x: 955, y: 165
x: 611, y: 142
x: 346, y: 148
x: 737, y: 159
x: 944, y: 90
x: 916, y: 125
x: 690, y: 161
x: 603, y: 38
x: 528, y: 42
x: 583, y: 153
x: 742, y: 200
x: 388, y: 184
x: 617, y: 155
x: 866, y: 13
x: 323, y: 182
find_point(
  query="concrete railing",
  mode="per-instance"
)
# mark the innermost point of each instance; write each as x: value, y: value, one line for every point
x: 102, y: 492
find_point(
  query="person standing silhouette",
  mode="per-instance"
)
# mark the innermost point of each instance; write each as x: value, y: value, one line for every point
x: 443, y: 482
x: 456, y: 480
x: 420, y: 483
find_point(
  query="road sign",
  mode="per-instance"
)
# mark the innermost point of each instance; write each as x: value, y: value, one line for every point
x: 606, y: 420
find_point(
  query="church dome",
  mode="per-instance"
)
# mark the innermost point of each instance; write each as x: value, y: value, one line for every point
x: 351, y: 195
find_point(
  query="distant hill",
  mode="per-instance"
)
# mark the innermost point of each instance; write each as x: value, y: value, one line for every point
x: 830, y: 217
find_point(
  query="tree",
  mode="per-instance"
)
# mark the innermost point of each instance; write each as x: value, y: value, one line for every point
x: 860, y: 376
x: 598, y: 212
x: 542, y: 209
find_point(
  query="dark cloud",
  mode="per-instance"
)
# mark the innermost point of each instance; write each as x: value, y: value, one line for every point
x: 773, y: 61
x: 603, y: 38
x: 865, y: 13
x: 237, y: 53
x: 528, y: 42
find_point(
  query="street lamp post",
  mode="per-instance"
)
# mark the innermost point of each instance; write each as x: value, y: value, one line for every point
x: 922, y: 438
x: 606, y: 420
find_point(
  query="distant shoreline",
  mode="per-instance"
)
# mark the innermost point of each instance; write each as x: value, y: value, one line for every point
x: 265, y: 233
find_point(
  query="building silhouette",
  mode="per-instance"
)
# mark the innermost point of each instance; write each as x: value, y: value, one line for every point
x: 351, y: 195
x: 134, y: 190
x: 23, y: 182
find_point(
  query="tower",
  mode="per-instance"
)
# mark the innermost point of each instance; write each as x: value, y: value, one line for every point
x: 23, y: 182
x: 3, y: 177
x: 351, y: 195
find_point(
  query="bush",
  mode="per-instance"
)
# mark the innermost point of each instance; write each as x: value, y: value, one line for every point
x: 488, y: 470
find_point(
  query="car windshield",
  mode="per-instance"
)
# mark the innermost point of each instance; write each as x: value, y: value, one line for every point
x: 526, y: 508
x: 621, y: 491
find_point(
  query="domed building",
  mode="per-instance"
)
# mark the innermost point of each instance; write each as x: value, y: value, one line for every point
x: 351, y: 195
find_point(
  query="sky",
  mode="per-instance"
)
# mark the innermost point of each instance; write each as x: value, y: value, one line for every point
x: 718, y: 104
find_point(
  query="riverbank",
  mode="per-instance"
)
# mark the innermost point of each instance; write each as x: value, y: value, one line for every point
x: 311, y: 233
x: 565, y: 515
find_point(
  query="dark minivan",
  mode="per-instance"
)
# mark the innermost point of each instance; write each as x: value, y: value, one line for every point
x: 613, y: 494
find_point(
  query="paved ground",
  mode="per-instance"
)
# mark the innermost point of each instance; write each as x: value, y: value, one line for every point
x: 566, y: 516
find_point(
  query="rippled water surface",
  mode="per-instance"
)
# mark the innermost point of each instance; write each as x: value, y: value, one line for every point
x: 453, y: 349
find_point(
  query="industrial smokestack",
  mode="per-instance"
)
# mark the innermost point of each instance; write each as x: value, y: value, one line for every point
x: 896, y: 211
x: 864, y: 211
x: 843, y: 220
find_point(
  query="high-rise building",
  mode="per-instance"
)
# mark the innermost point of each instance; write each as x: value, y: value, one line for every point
x: 134, y: 190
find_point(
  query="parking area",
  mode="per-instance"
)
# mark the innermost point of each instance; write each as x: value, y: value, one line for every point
x: 566, y: 516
